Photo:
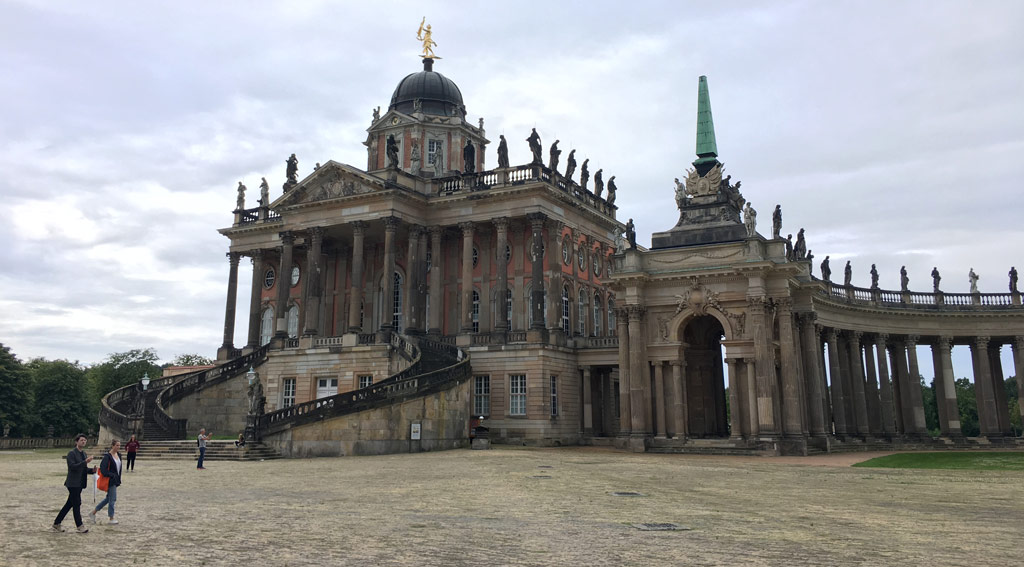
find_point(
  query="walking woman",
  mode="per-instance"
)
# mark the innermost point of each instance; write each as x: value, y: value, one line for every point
x: 78, y: 471
x: 110, y: 467
x: 132, y: 446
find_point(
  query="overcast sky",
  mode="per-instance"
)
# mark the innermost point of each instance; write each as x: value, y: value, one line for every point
x: 892, y: 131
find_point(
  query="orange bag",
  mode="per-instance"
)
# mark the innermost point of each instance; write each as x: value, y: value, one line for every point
x: 102, y: 482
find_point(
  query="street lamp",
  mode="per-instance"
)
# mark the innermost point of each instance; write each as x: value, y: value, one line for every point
x: 251, y: 375
x: 145, y: 380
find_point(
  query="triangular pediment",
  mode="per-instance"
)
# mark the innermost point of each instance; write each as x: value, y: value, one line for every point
x: 332, y: 181
x: 391, y: 119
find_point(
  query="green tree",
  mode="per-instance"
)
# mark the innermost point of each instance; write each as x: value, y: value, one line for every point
x: 61, y: 398
x: 1012, y: 397
x: 15, y: 394
x: 968, y: 406
x: 121, y: 369
x: 931, y: 408
x: 190, y: 359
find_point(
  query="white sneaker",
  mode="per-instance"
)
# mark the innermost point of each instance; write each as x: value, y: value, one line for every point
x: 92, y: 516
x: 57, y: 528
x: 82, y: 529
x: 113, y: 521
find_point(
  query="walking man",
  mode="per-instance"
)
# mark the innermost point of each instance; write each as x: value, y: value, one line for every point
x: 77, y: 479
x: 201, y: 440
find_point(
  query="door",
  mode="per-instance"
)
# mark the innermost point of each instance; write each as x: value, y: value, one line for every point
x: 326, y: 387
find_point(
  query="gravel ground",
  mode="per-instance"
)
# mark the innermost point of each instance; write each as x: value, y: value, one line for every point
x: 518, y: 506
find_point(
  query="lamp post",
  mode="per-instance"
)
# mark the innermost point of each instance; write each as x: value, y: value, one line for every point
x: 255, y: 394
x: 145, y: 381
x: 251, y: 375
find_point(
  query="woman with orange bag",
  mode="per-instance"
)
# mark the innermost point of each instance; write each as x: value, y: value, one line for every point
x: 110, y: 467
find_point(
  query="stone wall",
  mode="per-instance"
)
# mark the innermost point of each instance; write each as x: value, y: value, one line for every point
x: 220, y: 409
x: 443, y: 417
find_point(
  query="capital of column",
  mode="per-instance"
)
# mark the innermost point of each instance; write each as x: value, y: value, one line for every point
x: 683, y: 362
x: 255, y: 255
x: 833, y: 334
x: 757, y: 303
x: 316, y: 234
x: 855, y: 336
x: 392, y: 223
x: 287, y: 237
x: 415, y: 231
x: 467, y: 228
x: 501, y: 223
x: 1018, y: 342
x: 358, y: 227
x: 981, y: 342
x: 536, y: 220
x: 944, y: 342
x: 635, y: 312
x: 784, y: 304
x: 881, y: 339
x: 233, y: 257
x: 911, y: 340
x: 819, y: 330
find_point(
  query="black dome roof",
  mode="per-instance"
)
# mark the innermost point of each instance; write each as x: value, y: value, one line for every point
x: 438, y: 94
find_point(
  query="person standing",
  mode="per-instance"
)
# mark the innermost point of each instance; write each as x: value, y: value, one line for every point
x: 77, y: 479
x: 110, y: 467
x: 132, y: 447
x: 201, y: 440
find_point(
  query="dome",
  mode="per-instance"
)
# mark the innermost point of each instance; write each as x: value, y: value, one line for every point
x: 438, y: 94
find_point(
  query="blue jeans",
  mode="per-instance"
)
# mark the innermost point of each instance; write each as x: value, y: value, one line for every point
x: 202, y: 455
x: 108, y: 501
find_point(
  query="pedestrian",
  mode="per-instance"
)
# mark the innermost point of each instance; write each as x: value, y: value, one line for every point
x: 78, y: 471
x: 201, y: 441
x: 132, y: 446
x: 110, y: 467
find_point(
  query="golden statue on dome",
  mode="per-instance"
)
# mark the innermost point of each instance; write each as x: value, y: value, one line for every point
x: 424, y: 35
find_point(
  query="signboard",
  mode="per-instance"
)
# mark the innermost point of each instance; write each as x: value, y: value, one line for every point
x: 415, y: 431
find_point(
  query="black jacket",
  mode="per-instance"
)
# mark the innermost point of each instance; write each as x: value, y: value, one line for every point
x: 78, y: 472
x: 109, y: 469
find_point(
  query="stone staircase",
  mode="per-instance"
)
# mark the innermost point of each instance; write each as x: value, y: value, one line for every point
x: 215, y: 451
x: 151, y: 431
x: 706, y: 447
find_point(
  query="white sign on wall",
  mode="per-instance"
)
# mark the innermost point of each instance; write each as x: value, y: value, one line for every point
x: 415, y: 431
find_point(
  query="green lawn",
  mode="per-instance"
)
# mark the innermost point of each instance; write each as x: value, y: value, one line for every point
x: 968, y: 461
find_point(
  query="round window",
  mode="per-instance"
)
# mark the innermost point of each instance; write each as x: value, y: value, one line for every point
x: 268, y: 278
x: 295, y: 275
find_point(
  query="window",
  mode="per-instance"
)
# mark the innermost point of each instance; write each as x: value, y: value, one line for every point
x: 433, y: 148
x: 581, y: 313
x: 565, y: 309
x: 554, y: 396
x: 426, y: 305
x: 529, y: 304
x: 597, y: 315
x: 508, y: 306
x: 430, y: 258
x: 611, y: 316
x: 581, y: 256
x: 476, y: 311
x: 326, y: 387
x: 396, y: 304
x: 293, y: 321
x: 566, y: 253
x: 597, y: 263
x: 508, y: 253
x: 482, y: 395
x: 266, y: 325
x: 517, y: 394
x: 476, y: 256
x: 365, y: 381
x: 288, y: 393
x: 268, y: 278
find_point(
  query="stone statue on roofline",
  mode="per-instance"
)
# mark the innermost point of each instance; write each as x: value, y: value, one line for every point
x: 800, y: 248
x: 584, y: 174
x: 535, y: 148
x: 1013, y: 280
x: 553, y: 155
x: 502, y: 152
x: 599, y: 183
x: 777, y: 222
x: 631, y: 234
x: 612, y: 190
x: 789, y: 248
x: 291, y: 171
x: 264, y: 193
x: 973, y: 277
x: 749, y: 217
x: 681, y: 195
x: 847, y: 274
x: 376, y: 114
x: 874, y: 277
x: 810, y: 259
x: 826, y: 271
x: 936, y: 278
x: 240, y: 204
x: 904, y: 279
x: 392, y: 152
x: 469, y: 157
x: 570, y: 165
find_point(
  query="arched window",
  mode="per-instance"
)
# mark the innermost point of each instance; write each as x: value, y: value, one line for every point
x: 476, y: 311
x: 293, y: 321
x: 598, y: 312
x: 581, y: 313
x: 565, y: 310
x: 529, y: 306
x: 266, y: 325
x: 508, y: 306
x: 611, y: 316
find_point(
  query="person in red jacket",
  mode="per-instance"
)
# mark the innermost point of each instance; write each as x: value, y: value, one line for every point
x: 132, y: 447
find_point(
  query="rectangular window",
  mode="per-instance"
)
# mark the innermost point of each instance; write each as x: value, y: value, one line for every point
x: 365, y: 381
x: 482, y: 396
x: 517, y: 394
x: 288, y: 393
x: 554, y: 396
x: 433, y: 146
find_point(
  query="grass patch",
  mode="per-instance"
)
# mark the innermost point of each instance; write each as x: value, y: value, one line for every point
x: 957, y: 461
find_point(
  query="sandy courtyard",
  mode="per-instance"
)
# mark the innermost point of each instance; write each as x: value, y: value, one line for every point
x: 516, y: 506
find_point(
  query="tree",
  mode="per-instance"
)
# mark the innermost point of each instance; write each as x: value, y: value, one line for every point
x: 931, y: 407
x: 1012, y: 397
x: 61, y: 396
x: 965, y: 401
x: 15, y: 394
x: 191, y: 359
x: 121, y: 369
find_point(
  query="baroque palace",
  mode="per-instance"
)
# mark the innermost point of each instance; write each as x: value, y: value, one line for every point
x: 428, y: 299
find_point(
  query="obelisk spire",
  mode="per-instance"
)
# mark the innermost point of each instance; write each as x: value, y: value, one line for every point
x: 707, y: 149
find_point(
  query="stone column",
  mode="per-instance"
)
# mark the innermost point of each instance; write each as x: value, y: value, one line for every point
x: 554, y: 287
x: 1018, y: 366
x: 767, y: 389
x: 255, y: 299
x: 838, y: 395
x: 679, y: 399
x: 284, y: 282
x: 901, y: 395
x: 411, y: 308
x: 813, y: 378
x: 229, y: 309
x: 735, y: 427
x: 999, y: 389
x: 871, y: 392
x: 914, y: 383
x: 843, y: 346
x: 857, y: 384
x: 313, y: 272
x: 625, y: 404
x: 436, y: 269
x: 502, y: 324
x: 588, y: 402
x: 884, y: 386
x: 792, y: 415
x: 639, y: 384
x: 388, y: 301
x: 466, y: 326
x: 607, y: 403
x: 537, y: 272
x: 659, y: 398
x: 356, y: 292
x: 752, y: 406
x: 944, y: 374
x: 987, y: 420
